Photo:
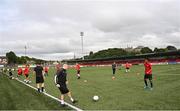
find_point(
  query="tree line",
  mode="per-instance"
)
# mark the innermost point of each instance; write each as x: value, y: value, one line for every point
x: 14, y: 59
x: 117, y: 52
x: 111, y: 52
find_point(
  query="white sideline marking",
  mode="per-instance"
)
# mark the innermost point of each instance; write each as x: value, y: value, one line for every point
x: 73, y: 107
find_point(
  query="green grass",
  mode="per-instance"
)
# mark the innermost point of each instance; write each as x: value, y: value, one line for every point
x: 125, y: 92
x: 16, y: 96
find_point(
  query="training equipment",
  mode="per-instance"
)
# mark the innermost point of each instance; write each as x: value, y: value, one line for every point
x: 95, y: 98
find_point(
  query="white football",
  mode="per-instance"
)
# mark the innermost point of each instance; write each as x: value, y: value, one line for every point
x: 95, y: 98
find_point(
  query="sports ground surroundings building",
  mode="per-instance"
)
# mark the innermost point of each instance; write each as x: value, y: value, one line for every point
x: 3, y: 61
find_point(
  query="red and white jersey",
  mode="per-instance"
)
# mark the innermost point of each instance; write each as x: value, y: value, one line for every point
x: 20, y: 70
x: 46, y: 69
x: 127, y: 65
x: 148, y: 68
x: 78, y: 67
x: 26, y: 71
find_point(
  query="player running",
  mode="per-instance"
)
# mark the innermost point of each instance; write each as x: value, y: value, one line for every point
x: 127, y: 66
x: 61, y: 81
x: 148, y: 74
x: 26, y: 73
x: 78, y: 70
x: 114, y: 70
x: 38, y: 70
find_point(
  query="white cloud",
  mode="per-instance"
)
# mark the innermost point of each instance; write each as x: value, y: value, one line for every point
x: 51, y: 28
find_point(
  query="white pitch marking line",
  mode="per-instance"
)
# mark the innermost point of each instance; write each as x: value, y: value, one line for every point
x: 73, y: 107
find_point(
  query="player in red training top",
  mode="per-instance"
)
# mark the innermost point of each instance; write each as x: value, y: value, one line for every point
x: 46, y: 69
x: 19, y: 71
x: 148, y: 74
x: 26, y: 73
x: 78, y: 70
x: 127, y: 65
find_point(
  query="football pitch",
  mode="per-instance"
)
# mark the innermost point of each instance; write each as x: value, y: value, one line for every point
x: 125, y: 92
x: 16, y: 96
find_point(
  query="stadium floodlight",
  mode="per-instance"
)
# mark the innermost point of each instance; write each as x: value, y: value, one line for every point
x: 25, y: 49
x: 82, y: 34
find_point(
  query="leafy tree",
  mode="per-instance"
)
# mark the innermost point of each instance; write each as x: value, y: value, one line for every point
x: 171, y: 48
x: 91, y: 53
x: 12, y: 58
x: 146, y: 50
x: 22, y: 60
x: 156, y: 50
x: 111, y: 52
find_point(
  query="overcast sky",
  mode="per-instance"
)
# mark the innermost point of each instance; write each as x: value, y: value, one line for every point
x: 51, y: 28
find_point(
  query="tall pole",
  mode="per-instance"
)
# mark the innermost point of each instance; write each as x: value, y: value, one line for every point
x: 25, y: 48
x: 82, y: 34
x: 74, y: 56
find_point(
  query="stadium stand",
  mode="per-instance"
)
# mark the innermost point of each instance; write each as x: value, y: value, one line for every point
x: 172, y: 57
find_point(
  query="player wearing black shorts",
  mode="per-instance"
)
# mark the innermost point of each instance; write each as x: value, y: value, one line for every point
x: 114, y: 70
x: 39, y: 78
x: 10, y: 73
x: 148, y: 74
x: 61, y: 83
